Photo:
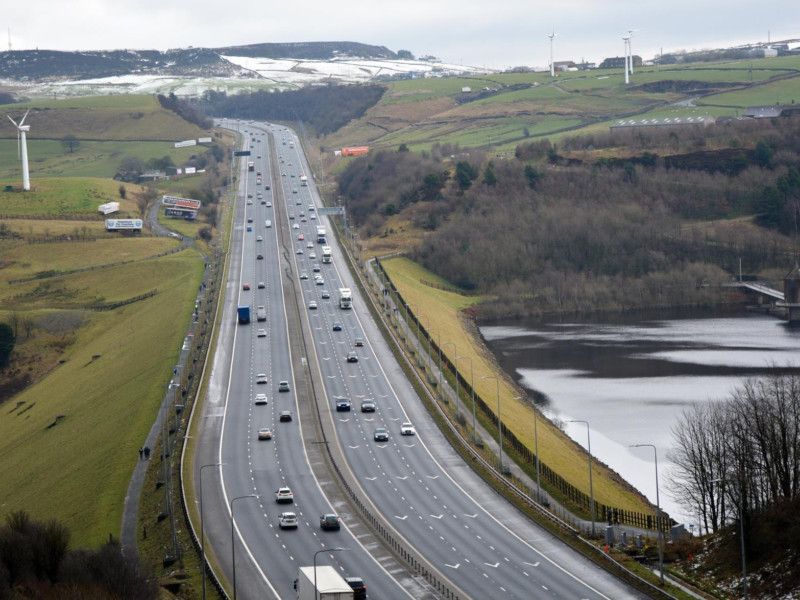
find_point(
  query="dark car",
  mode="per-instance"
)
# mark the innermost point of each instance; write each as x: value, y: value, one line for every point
x: 381, y: 435
x: 358, y: 343
x: 337, y: 326
x: 342, y: 405
x: 286, y: 416
x: 329, y: 522
x: 260, y: 257
x: 367, y: 406
x: 358, y: 587
x: 352, y: 357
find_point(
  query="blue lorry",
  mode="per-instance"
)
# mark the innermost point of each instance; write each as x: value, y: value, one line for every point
x: 244, y: 314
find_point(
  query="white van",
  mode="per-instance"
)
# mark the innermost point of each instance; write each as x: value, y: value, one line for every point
x: 267, y: 223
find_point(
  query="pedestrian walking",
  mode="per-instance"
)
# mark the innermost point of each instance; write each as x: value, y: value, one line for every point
x: 141, y: 453
x: 147, y: 452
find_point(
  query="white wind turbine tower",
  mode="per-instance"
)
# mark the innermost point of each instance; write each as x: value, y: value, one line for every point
x: 630, y: 51
x: 22, y: 149
x: 552, y: 65
x: 627, y: 40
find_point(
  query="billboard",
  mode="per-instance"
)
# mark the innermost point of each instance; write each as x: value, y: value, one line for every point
x: 328, y: 211
x: 204, y: 140
x: 187, y: 203
x: 242, y: 153
x: 124, y: 224
x: 181, y: 213
x: 190, y: 170
x: 186, y: 143
x: 181, y: 202
x: 355, y: 151
x: 108, y: 208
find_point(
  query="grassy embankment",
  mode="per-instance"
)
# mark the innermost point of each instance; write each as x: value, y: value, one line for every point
x: 422, y: 112
x: 91, y: 379
x: 442, y: 310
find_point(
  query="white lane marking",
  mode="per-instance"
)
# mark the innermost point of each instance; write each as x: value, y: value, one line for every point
x: 536, y: 564
x: 436, y: 516
x: 455, y: 566
x: 403, y: 518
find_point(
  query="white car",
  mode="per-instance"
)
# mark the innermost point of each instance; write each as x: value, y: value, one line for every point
x: 259, y: 238
x: 287, y: 520
x: 261, y: 378
x: 267, y: 223
x: 303, y: 275
x: 250, y: 202
x: 312, y: 255
x: 262, y: 333
x: 299, y: 251
x: 312, y: 216
x: 264, y: 434
x: 295, y: 226
x: 284, y: 495
x: 407, y: 429
x: 261, y: 399
x: 320, y: 281
x: 269, y: 204
x: 310, y: 245
x: 312, y: 305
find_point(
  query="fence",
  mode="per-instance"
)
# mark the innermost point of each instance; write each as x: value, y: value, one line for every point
x: 609, y: 514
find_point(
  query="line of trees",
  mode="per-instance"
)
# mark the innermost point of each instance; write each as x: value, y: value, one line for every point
x: 186, y: 111
x: 740, y: 457
x: 36, y: 561
x: 325, y: 109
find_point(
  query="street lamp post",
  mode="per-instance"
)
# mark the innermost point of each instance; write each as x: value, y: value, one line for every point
x: 535, y: 451
x: 658, y: 512
x: 316, y: 594
x: 499, y: 420
x: 455, y: 373
x: 202, y: 530
x: 471, y: 385
x: 233, y: 542
x: 591, y: 485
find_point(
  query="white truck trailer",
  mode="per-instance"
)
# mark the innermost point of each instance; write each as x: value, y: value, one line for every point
x: 326, y: 255
x: 345, y: 298
x: 329, y: 584
x: 303, y: 180
x: 322, y: 235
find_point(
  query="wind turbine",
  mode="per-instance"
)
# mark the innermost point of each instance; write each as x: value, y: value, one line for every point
x: 630, y: 51
x: 627, y: 40
x: 22, y: 148
x: 552, y: 65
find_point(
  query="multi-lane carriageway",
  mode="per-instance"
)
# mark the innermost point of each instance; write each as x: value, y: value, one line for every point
x: 431, y: 498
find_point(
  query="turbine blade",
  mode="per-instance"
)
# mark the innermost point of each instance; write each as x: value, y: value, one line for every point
x: 12, y: 120
x: 19, y: 151
x: 25, y: 117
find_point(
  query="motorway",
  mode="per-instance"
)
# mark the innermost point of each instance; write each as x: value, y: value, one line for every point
x: 429, y: 495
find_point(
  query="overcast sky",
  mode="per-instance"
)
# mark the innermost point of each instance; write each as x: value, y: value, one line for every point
x: 496, y: 33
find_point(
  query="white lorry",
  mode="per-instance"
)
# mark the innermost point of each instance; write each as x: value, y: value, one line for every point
x: 326, y: 255
x: 322, y: 235
x: 329, y: 584
x: 345, y: 299
x: 303, y: 180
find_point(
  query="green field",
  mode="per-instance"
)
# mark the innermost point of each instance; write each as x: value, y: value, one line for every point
x: 78, y: 470
x: 48, y: 158
x: 122, y: 117
x: 74, y: 195
x: 425, y: 111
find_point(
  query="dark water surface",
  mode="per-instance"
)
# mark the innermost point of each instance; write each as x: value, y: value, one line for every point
x: 631, y: 377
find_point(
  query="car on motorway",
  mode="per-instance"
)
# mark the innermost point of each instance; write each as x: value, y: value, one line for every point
x: 319, y: 281
x: 267, y: 223
x: 358, y: 343
x: 303, y: 275
x: 285, y: 417
x: 315, y: 268
x: 311, y: 208
x: 283, y: 386
x: 262, y: 333
x: 301, y: 236
x: 407, y: 429
x: 381, y: 435
x: 337, y: 326
x: 342, y: 405
x: 312, y: 255
x: 249, y: 219
x: 261, y: 378
x: 295, y: 225
x: 358, y: 586
x: 291, y: 218
x: 299, y: 251
x: 367, y: 406
x: 302, y: 214
x: 284, y: 495
x: 312, y: 305
x: 329, y: 522
x: 312, y: 216
x: 249, y: 195
x: 263, y: 203
x: 303, y: 220
x: 249, y: 228
x: 267, y: 187
x: 294, y: 191
x: 310, y: 245
x: 264, y: 434
x: 287, y: 520
x: 250, y: 202
x: 245, y: 286
x: 261, y: 399
x: 269, y: 204
x: 325, y: 295
x: 352, y: 357
x: 261, y: 285
x: 299, y: 202
x: 259, y: 257
x: 259, y: 238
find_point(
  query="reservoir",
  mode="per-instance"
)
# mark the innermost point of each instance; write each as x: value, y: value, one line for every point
x: 631, y: 377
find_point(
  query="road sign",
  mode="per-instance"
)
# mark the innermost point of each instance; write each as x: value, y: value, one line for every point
x: 328, y: 211
x: 181, y: 213
x: 167, y: 200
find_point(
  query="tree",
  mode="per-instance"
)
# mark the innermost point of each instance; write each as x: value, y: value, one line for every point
x: 763, y: 154
x: 526, y: 132
x: 70, y: 143
x: 405, y: 55
x: 131, y: 167
x: 7, y: 339
x: 465, y: 174
x: 402, y: 148
x: 489, y: 177
x: 532, y: 175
